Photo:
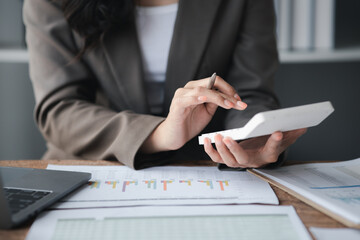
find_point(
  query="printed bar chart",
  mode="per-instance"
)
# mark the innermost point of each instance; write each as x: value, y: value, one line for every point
x: 112, y: 183
x: 94, y: 184
x: 188, y: 182
x: 122, y: 186
x: 222, y: 183
x: 209, y: 183
x: 150, y: 183
x: 165, y: 183
x: 127, y: 183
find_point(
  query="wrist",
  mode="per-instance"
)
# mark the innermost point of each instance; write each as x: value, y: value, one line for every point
x: 156, y: 141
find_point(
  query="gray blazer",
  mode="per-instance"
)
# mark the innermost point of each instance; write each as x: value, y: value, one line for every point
x: 96, y: 108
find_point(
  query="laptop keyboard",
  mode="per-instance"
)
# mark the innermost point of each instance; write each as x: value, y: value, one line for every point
x: 19, y: 199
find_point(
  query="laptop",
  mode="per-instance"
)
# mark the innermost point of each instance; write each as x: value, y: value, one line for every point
x: 24, y: 192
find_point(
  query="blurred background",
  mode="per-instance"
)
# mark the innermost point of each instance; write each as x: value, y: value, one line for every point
x: 319, y: 47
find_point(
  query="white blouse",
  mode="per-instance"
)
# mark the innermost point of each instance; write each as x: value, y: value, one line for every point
x: 155, y: 26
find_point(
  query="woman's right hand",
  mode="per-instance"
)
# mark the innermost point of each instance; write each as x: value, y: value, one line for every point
x: 191, y: 109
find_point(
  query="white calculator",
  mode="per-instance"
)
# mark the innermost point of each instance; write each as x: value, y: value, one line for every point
x: 286, y: 119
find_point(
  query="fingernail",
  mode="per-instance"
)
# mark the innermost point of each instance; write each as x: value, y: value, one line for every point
x: 228, y: 103
x: 241, y: 104
x: 227, y: 142
x: 277, y: 137
x: 218, y: 138
x: 237, y: 96
x: 202, y: 98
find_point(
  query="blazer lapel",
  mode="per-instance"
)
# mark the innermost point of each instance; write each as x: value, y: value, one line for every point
x: 122, y: 52
x: 191, y: 33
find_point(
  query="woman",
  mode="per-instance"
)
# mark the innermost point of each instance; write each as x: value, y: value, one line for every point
x: 114, y: 79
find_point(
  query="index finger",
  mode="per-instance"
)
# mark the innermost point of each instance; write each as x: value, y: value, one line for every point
x: 220, y: 84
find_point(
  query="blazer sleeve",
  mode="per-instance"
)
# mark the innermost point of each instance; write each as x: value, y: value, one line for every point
x: 66, y: 111
x: 254, y: 63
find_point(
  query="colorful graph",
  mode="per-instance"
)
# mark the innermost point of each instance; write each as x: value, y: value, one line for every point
x: 127, y: 183
x: 222, y: 184
x: 208, y: 183
x: 150, y: 183
x: 188, y: 182
x: 165, y: 183
x: 94, y: 184
x: 113, y: 183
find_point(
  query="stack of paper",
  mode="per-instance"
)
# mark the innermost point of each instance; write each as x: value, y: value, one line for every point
x: 333, y: 188
x: 122, y: 186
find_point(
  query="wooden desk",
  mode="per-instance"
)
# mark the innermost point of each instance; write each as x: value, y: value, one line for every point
x: 310, y: 216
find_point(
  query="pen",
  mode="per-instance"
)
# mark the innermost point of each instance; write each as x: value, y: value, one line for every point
x: 212, y: 81
x: 211, y: 85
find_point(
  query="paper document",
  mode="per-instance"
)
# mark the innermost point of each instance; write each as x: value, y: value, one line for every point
x: 122, y: 186
x: 175, y: 222
x: 335, y: 233
x: 333, y: 186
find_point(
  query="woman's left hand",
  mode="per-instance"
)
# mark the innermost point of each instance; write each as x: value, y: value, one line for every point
x: 251, y: 153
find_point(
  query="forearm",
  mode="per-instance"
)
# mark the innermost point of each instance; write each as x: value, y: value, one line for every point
x: 84, y: 129
x: 155, y: 142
